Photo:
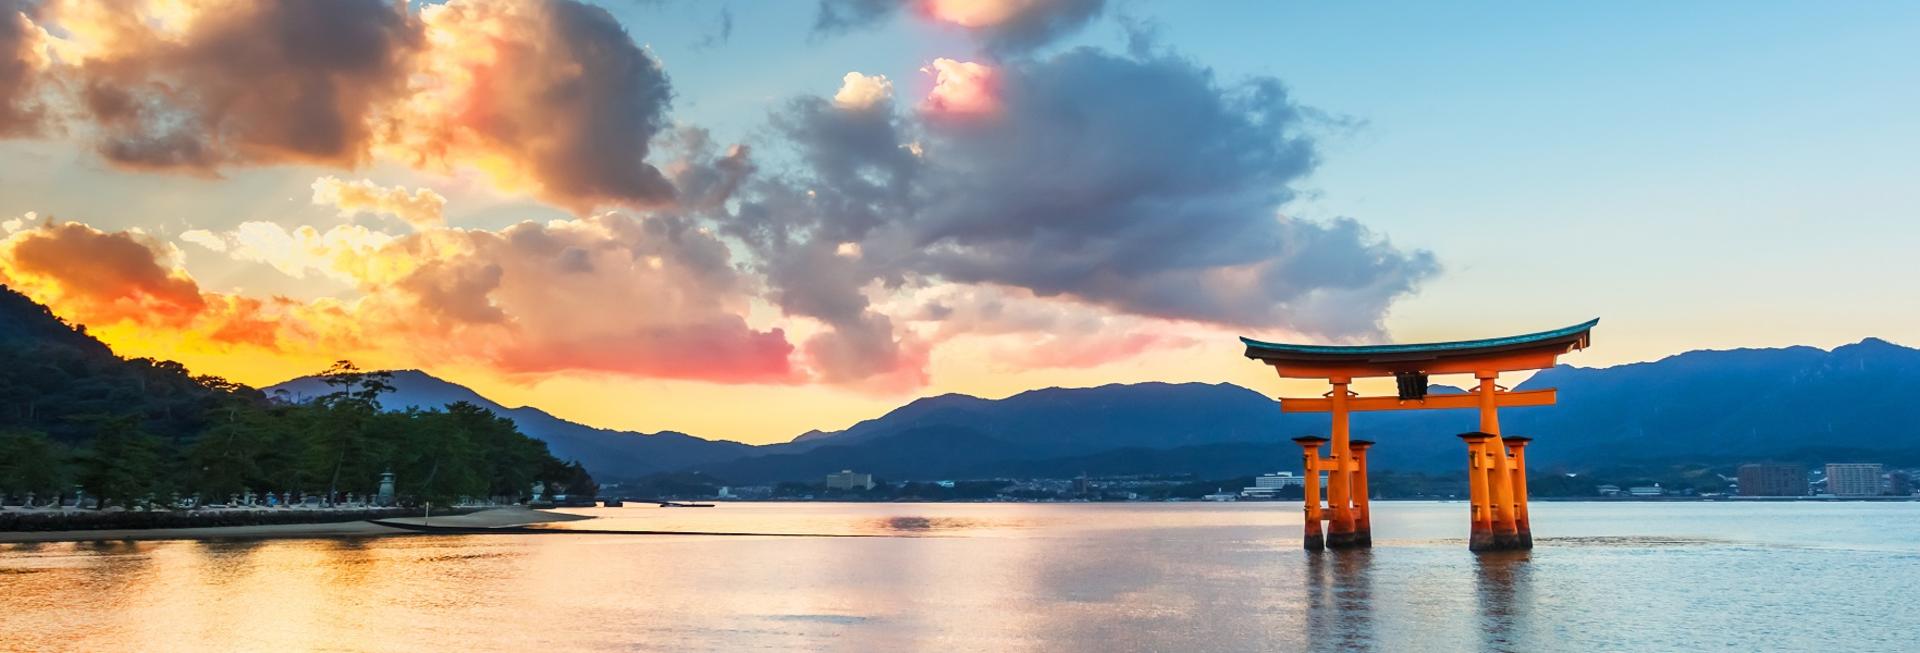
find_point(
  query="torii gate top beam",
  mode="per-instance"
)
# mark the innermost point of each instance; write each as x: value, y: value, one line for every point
x: 1532, y: 351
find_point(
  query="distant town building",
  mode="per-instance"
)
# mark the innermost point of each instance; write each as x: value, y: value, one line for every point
x: 1608, y: 490
x: 1900, y: 484
x: 846, y: 479
x: 1646, y: 490
x: 1853, y: 479
x: 1082, y: 486
x: 1772, y: 480
x: 1267, y: 486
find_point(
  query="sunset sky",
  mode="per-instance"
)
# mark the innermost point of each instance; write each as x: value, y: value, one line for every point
x: 745, y: 220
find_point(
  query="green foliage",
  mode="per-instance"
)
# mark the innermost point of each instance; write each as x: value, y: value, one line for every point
x: 573, y: 479
x: 133, y: 430
x: 124, y: 465
x: 31, y: 463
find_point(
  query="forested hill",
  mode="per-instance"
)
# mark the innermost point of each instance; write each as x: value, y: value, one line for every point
x: 56, y: 379
x: 140, y: 431
x: 24, y: 322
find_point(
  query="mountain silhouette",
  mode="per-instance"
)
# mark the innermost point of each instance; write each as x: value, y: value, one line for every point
x: 606, y: 453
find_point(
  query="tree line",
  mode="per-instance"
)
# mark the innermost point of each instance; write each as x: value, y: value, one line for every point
x: 136, y: 432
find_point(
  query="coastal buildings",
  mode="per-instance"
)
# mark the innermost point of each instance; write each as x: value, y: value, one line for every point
x: 1853, y: 479
x: 1268, y: 486
x: 1772, y: 480
x: 847, y: 479
x: 1900, y: 484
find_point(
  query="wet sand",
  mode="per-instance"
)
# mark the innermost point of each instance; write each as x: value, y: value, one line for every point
x: 493, y: 518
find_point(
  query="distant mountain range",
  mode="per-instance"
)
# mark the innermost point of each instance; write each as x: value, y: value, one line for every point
x: 606, y: 453
x: 1796, y: 403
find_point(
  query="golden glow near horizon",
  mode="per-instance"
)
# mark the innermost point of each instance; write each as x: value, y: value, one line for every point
x: 759, y: 414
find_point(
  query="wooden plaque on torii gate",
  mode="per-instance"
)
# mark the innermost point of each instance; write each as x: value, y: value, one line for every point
x: 1496, y: 465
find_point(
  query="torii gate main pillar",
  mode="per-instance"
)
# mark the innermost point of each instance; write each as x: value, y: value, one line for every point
x: 1496, y: 465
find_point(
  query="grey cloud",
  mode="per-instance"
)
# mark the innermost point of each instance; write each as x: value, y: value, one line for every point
x: 21, y: 114
x: 704, y: 176
x: 722, y: 32
x: 583, y: 108
x: 841, y: 15
x: 858, y: 176
x: 251, y: 82
x: 1041, y: 24
x: 552, y: 97
x: 1142, y: 185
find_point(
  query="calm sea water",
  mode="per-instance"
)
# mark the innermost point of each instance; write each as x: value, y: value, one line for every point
x: 1006, y: 577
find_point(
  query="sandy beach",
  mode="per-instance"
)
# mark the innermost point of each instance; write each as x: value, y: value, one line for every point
x: 493, y: 518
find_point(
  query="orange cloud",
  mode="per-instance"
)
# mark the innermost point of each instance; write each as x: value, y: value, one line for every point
x: 647, y: 298
x: 422, y: 208
x: 548, y: 98
x: 97, y: 276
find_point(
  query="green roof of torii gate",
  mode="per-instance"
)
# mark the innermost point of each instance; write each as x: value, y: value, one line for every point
x: 1575, y: 336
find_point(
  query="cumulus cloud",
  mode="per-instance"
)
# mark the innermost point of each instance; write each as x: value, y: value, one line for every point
x: 860, y: 92
x: 1138, y: 185
x: 1002, y: 25
x: 553, y: 98
x: 1147, y: 186
x: 1101, y: 200
x: 200, y: 85
x: 960, y: 87
x: 807, y: 244
x: 98, y: 276
x: 550, y: 98
x: 21, y: 63
x: 655, y: 297
x: 343, y: 252
x: 704, y: 174
x: 422, y: 208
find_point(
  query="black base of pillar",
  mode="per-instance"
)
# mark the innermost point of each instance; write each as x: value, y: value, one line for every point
x: 1354, y: 540
x: 1315, y: 542
x: 1340, y: 540
x: 1500, y: 542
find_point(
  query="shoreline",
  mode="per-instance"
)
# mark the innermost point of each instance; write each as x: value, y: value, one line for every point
x: 508, y: 520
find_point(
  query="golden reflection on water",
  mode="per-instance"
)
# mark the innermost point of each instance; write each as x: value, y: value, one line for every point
x: 964, y: 577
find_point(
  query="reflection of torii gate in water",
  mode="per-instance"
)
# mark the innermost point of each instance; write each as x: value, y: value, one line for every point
x: 1496, y: 466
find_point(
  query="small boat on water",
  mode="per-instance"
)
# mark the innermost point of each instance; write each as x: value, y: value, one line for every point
x: 612, y: 503
x: 677, y: 504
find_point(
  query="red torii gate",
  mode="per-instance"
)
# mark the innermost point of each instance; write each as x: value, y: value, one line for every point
x: 1496, y: 465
